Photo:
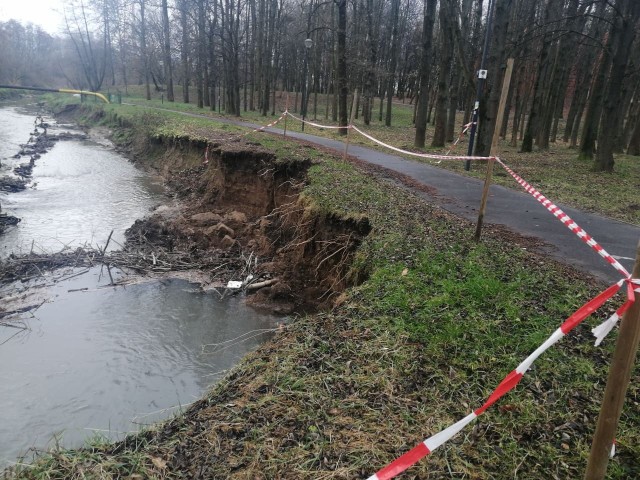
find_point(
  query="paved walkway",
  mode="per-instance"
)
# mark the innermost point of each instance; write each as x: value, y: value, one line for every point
x: 516, y: 210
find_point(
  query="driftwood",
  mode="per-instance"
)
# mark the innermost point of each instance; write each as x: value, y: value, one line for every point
x: 259, y: 285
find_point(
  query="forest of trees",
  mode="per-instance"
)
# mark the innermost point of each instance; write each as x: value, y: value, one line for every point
x: 576, y: 77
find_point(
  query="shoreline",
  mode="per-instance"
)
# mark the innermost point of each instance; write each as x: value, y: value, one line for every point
x: 425, y: 326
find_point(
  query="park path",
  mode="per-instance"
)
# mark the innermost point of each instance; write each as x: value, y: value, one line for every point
x: 516, y: 210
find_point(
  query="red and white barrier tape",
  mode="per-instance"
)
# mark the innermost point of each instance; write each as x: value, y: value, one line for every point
x: 513, y: 378
x: 421, y: 155
x: 317, y: 125
x: 462, y: 133
x: 262, y: 129
x: 510, y: 381
x: 568, y: 222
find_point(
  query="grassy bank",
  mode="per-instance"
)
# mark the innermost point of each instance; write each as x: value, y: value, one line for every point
x: 557, y: 172
x: 436, y: 325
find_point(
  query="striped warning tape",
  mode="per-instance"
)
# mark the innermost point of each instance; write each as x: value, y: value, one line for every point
x: 317, y: 125
x: 462, y: 133
x: 566, y: 220
x: 554, y: 209
x: 262, y: 129
x: 513, y: 378
x: 421, y: 155
x: 427, y: 446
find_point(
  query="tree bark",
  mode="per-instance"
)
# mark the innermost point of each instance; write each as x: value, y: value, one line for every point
x: 497, y: 57
x: 342, y: 65
x: 166, y: 34
x: 425, y: 68
x: 444, y: 71
x: 622, y: 36
x: 395, y: 13
x: 184, y: 49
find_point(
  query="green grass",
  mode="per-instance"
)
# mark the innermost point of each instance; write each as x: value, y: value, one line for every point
x: 436, y: 325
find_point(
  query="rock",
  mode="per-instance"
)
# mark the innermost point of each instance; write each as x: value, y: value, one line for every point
x: 227, y: 242
x: 235, y: 219
x: 280, y: 291
x: 222, y: 231
x: 6, y: 220
x: 12, y: 184
x: 206, y: 219
x: 219, y: 231
x: 265, y: 223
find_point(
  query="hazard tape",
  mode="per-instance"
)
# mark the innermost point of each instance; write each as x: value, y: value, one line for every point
x: 427, y: 446
x: 262, y: 129
x: 421, y: 155
x: 465, y: 129
x: 317, y: 125
x: 509, y: 382
x: 566, y: 220
x: 554, y: 209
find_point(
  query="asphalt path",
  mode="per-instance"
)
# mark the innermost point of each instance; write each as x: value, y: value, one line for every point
x: 515, y: 210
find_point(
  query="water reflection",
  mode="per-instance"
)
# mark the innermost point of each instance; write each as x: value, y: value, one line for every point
x: 104, y: 359
x: 108, y: 359
x: 80, y: 191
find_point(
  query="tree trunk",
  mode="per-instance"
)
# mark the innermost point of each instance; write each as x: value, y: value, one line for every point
x: 342, y: 65
x: 168, y: 69
x: 395, y: 13
x: 184, y: 49
x: 444, y: 71
x: 487, y: 120
x: 370, y: 75
x: 622, y: 37
x: 634, y: 142
x: 425, y: 69
x: 143, y: 47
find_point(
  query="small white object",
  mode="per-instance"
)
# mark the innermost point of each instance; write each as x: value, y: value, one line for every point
x: 482, y: 74
x: 234, y: 284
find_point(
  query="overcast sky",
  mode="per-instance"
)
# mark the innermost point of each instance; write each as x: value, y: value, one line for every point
x: 46, y: 13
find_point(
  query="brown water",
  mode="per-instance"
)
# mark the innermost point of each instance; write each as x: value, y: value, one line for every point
x: 103, y: 360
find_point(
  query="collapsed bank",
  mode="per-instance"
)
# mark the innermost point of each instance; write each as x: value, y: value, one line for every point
x: 416, y: 325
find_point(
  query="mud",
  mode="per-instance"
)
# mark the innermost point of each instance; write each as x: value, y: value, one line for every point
x: 245, y: 203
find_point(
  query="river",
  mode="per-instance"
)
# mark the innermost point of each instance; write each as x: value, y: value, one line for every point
x: 100, y: 360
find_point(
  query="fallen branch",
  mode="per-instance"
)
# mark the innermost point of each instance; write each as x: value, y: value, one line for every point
x: 259, y: 285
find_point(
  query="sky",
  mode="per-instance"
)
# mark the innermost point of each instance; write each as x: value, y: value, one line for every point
x: 46, y: 13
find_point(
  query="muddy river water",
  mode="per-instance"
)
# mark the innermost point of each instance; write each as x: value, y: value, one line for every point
x: 98, y: 360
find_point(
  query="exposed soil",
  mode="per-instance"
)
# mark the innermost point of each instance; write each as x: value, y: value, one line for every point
x: 239, y: 217
x: 241, y: 200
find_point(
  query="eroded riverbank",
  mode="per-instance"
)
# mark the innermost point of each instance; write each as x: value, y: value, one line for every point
x: 433, y: 323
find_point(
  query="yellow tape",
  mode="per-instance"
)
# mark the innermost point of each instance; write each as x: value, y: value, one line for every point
x: 84, y: 92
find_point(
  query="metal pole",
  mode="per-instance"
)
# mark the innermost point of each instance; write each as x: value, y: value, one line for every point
x: 617, y: 383
x: 304, y: 86
x: 482, y: 76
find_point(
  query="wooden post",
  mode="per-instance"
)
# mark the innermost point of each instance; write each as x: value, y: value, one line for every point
x: 353, y: 111
x: 494, y: 145
x: 286, y: 114
x: 617, y: 383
